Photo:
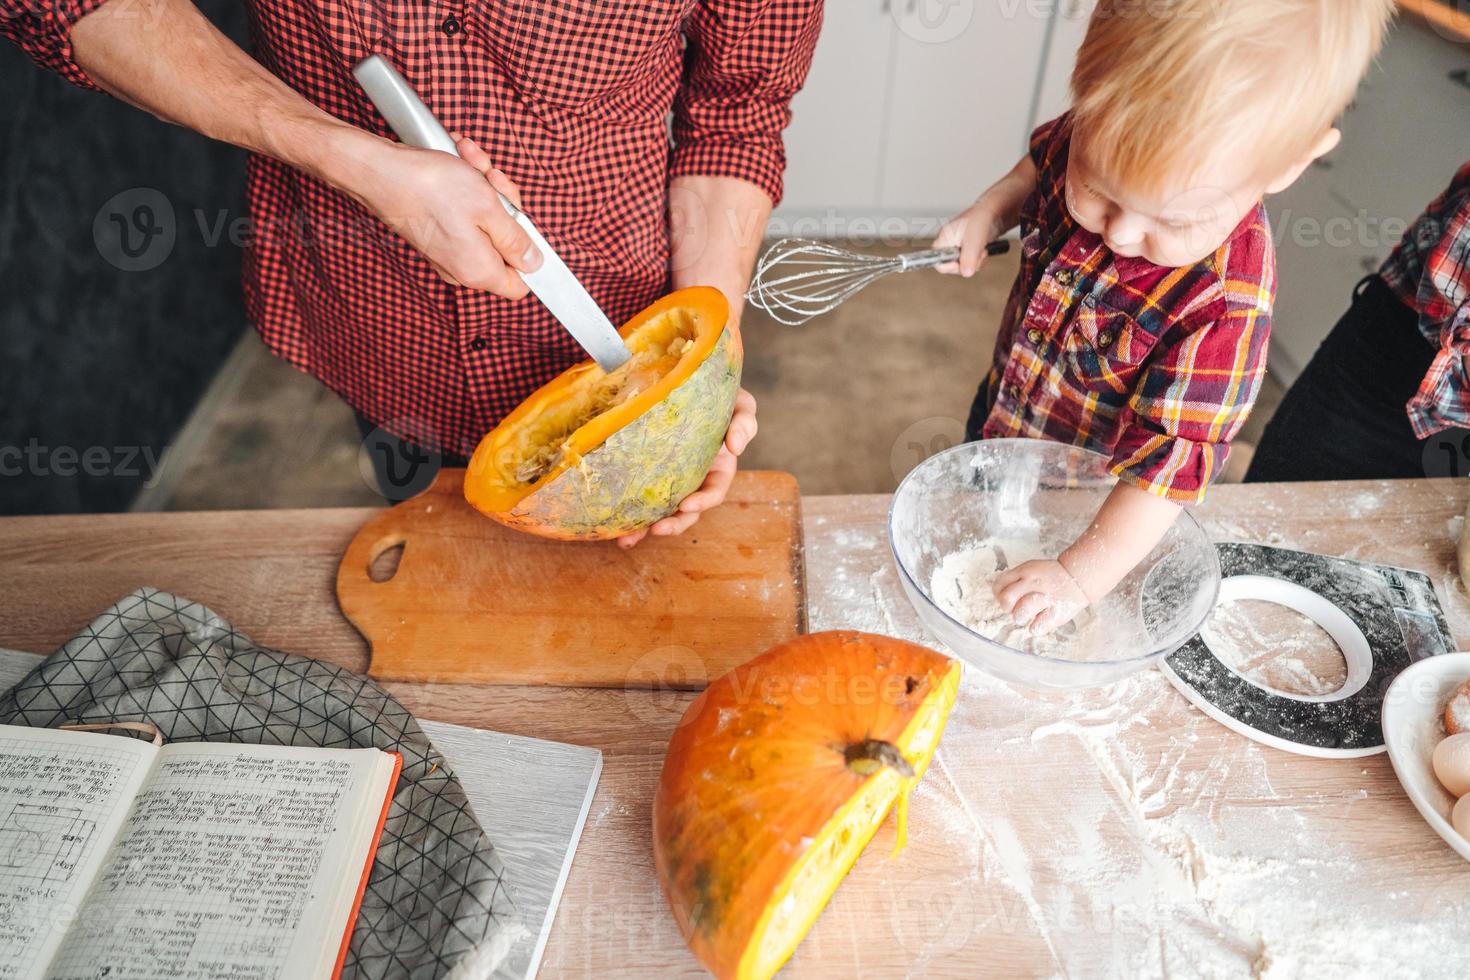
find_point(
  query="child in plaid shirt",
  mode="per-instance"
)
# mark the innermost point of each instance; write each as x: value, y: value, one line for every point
x: 1139, y: 322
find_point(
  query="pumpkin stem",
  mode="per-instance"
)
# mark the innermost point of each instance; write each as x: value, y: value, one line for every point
x: 866, y: 758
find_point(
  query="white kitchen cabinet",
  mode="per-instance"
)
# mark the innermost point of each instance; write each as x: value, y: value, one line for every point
x: 834, y: 145
x: 912, y: 108
x: 959, y: 105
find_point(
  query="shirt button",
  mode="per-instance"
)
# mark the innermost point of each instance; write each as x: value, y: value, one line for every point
x: 450, y: 25
x: 479, y: 343
x: 1105, y: 338
x: 1034, y: 335
x: 1064, y: 277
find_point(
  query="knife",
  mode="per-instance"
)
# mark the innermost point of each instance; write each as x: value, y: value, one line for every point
x: 553, y: 283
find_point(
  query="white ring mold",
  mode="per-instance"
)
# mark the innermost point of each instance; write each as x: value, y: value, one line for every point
x: 1344, y: 632
x: 1382, y: 619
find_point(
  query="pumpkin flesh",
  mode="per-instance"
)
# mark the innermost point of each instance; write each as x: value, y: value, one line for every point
x: 595, y: 455
x: 767, y: 799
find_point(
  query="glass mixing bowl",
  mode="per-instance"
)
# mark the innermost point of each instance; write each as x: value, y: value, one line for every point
x: 1033, y: 498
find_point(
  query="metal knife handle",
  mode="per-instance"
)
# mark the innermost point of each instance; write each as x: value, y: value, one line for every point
x: 939, y: 256
x: 405, y: 112
x: 553, y: 283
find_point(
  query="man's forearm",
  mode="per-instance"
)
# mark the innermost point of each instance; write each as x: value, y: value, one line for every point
x: 717, y: 224
x: 166, y: 58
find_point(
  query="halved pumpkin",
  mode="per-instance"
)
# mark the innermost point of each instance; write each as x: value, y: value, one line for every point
x: 594, y: 455
x: 776, y: 779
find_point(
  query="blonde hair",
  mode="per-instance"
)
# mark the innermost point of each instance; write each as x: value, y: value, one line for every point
x: 1161, y: 84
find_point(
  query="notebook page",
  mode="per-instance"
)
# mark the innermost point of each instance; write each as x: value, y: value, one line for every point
x: 63, y: 796
x: 233, y: 862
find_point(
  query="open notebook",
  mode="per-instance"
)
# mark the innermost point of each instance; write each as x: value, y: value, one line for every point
x: 152, y: 859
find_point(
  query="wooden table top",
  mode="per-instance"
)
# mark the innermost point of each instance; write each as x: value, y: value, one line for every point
x: 1109, y: 833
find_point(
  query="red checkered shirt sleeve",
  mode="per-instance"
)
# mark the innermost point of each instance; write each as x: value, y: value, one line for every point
x: 1192, y: 401
x: 42, y: 29
x: 1430, y: 273
x: 744, y: 62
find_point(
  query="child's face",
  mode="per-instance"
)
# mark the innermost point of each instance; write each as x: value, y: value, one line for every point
x: 1175, y: 227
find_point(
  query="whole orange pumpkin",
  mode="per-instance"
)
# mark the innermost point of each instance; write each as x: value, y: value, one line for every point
x: 776, y: 779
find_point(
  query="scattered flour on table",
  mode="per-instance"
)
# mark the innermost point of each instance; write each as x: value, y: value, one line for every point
x: 1135, y: 837
x: 1139, y: 839
x: 1366, y: 502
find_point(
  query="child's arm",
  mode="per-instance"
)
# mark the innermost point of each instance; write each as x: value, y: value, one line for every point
x: 996, y: 212
x: 1048, y: 594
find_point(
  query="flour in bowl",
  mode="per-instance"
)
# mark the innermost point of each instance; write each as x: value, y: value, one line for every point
x: 963, y: 586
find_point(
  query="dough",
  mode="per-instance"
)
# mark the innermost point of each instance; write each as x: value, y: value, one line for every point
x: 1460, y: 818
x: 962, y: 585
x: 1452, y: 763
x: 1457, y: 712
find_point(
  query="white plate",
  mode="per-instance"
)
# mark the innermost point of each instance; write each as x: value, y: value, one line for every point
x: 1413, y: 724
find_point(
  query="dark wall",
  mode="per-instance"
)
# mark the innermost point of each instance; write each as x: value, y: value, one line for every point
x: 116, y: 306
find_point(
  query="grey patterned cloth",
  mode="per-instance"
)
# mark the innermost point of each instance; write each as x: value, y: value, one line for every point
x: 437, y: 901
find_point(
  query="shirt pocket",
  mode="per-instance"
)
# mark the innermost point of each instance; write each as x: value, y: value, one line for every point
x: 573, y: 52
x: 1105, y: 348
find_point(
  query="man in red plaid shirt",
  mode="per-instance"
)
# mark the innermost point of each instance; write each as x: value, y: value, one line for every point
x: 1139, y: 322
x: 1387, y: 395
x: 563, y: 105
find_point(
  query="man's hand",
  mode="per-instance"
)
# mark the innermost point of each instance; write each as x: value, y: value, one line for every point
x: 448, y: 210
x: 1040, y: 595
x: 716, y: 484
x: 166, y: 57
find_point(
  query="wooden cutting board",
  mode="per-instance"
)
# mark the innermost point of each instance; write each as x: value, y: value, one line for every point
x: 472, y: 601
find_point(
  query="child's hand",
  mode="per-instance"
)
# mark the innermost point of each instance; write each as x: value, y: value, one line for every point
x: 1040, y: 595
x: 970, y: 233
x: 1044, y: 595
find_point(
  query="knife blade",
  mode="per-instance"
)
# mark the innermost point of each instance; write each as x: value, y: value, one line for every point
x: 554, y: 284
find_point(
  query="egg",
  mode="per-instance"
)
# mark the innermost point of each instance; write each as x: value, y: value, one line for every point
x: 1460, y: 818
x: 1452, y: 763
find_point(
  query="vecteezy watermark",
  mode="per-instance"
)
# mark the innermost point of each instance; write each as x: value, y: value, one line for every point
x: 857, y: 230
x: 124, y: 462
x: 1447, y: 454
x: 932, y: 21
x: 693, y: 225
x: 941, y: 913
x: 400, y: 467
x: 135, y: 230
x: 138, y: 229
x: 658, y: 684
x: 923, y: 439
x: 1360, y: 230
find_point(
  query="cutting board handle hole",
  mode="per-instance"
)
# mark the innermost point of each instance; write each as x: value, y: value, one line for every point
x: 386, y: 556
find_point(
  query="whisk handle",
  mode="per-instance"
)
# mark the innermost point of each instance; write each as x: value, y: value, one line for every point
x: 941, y: 256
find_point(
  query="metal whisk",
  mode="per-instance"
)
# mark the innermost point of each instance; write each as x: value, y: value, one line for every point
x: 798, y: 279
